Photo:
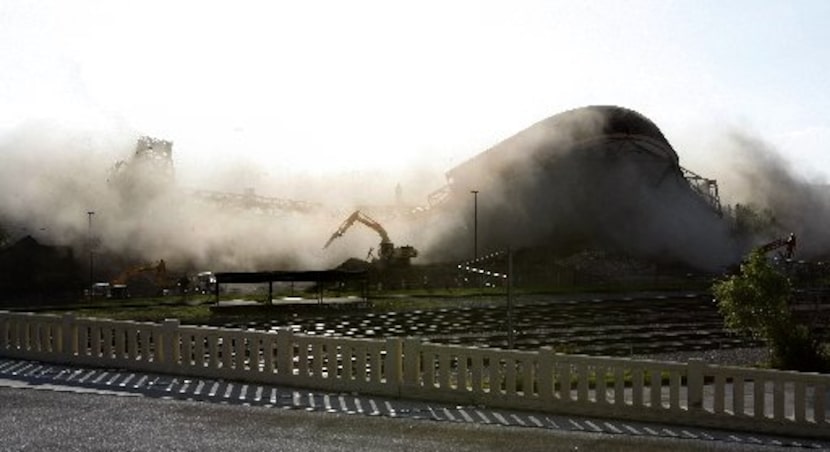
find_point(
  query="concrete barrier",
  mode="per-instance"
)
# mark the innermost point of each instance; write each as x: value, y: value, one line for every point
x: 693, y: 393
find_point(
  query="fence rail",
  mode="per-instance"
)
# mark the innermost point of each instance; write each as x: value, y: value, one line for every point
x: 693, y: 393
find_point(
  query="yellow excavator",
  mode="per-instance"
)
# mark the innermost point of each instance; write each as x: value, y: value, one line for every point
x: 160, y: 279
x: 389, y: 253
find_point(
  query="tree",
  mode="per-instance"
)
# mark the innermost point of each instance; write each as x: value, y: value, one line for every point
x: 756, y: 302
x: 4, y: 237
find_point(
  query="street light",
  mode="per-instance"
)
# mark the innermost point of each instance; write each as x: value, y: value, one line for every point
x: 475, y: 224
x: 89, y: 245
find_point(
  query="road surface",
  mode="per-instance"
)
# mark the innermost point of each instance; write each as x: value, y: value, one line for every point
x: 54, y: 407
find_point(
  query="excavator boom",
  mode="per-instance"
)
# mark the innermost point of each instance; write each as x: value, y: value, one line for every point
x: 361, y: 217
x: 789, y: 243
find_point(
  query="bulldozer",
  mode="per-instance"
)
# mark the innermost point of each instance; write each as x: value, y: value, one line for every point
x: 389, y: 254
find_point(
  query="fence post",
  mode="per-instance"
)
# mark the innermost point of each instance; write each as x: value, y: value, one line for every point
x: 4, y: 330
x: 285, y: 353
x: 411, y: 364
x: 170, y: 344
x: 694, y: 383
x: 545, y: 376
x: 68, y: 344
x: 394, y: 363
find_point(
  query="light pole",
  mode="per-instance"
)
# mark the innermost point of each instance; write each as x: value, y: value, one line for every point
x: 475, y: 224
x: 89, y: 245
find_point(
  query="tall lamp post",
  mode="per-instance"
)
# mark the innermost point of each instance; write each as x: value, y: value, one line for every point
x: 89, y: 245
x: 475, y: 224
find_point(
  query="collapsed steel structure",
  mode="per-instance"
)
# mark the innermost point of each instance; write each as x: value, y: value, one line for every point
x: 604, y: 128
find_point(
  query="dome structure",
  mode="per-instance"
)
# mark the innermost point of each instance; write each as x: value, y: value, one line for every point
x: 593, y: 177
x: 608, y: 128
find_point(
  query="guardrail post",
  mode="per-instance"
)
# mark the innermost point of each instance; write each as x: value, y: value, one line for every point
x: 68, y: 343
x: 170, y: 344
x: 694, y: 383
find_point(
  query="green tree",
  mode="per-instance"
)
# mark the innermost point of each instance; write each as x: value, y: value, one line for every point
x: 756, y: 302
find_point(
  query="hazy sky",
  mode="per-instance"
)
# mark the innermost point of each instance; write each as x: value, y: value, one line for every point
x: 325, y: 86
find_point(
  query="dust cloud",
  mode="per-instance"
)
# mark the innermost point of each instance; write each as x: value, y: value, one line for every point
x: 555, y: 185
x: 579, y: 180
x: 754, y: 173
x: 52, y: 176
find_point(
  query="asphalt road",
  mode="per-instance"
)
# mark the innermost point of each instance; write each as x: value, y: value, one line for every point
x: 66, y: 421
x: 55, y: 407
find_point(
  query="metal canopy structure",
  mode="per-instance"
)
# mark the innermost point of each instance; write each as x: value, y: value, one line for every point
x: 316, y: 276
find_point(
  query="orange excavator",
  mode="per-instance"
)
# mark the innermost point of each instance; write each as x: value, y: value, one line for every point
x: 389, y: 253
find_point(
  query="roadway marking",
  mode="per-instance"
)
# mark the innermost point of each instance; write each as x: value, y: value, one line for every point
x: 374, y: 408
x: 576, y: 425
x: 126, y: 381
x: 518, y: 420
x: 500, y: 418
x: 466, y: 416
x: 593, y: 426
x: 613, y: 428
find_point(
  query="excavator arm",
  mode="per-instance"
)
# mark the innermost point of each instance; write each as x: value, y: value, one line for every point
x: 160, y: 270
x: 360, y: 217
x: 788, y: 243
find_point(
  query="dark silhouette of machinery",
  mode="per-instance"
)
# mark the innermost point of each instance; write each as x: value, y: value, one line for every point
x: 787, y: 243
x: 158, y: 273
x: 389, y: 253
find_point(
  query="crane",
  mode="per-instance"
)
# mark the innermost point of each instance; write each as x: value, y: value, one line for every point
x: 388, y: 252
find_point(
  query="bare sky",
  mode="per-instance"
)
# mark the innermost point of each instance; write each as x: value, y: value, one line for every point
x: 326, y: 86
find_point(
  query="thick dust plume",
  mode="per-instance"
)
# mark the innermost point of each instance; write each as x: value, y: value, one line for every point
x: 576, y: 181
x: 583, y: 180
x: 754, y: 174
x: 51, y: 177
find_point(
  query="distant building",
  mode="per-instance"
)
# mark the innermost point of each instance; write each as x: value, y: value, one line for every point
x: 36, y: 274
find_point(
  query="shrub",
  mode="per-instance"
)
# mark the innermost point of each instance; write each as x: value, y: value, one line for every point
x: 756, y: 302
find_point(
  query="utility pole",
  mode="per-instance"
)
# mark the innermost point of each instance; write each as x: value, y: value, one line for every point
x: 89, y: 246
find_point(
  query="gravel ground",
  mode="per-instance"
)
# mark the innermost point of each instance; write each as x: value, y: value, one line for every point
x: 747, y: 357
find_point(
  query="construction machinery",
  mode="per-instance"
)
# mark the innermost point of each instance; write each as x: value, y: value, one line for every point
x: 118, y: 285
x: 389, y: 254
x: 787, y: 243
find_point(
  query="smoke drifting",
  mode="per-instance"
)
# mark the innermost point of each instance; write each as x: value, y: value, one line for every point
x: 753, y: 172
x: 51, y: 177
x: 598, y: 177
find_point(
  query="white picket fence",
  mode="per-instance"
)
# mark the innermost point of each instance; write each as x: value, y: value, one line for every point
x: 694, y: 393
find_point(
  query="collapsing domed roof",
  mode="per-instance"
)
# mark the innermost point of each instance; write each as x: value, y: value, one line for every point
x: 592, y: 177
x: 577, y: 128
